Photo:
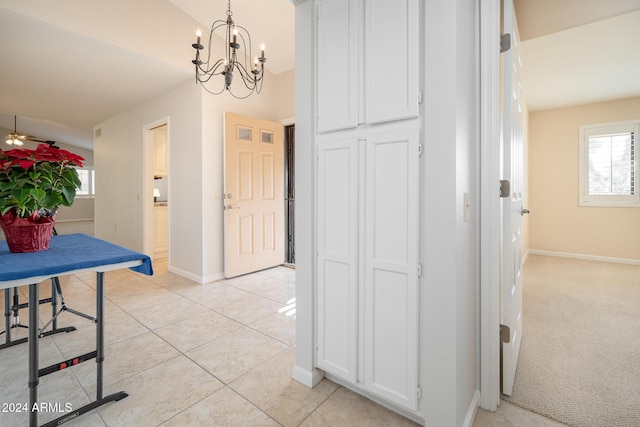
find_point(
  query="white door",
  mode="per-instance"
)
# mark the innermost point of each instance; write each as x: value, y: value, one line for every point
x: 512, y: 205
x: 337, y: 237
x: 254, y: 194
x: 391, y: 266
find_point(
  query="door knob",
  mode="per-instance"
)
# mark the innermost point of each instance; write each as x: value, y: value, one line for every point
x: 231, y: 207
x: 524, y: 211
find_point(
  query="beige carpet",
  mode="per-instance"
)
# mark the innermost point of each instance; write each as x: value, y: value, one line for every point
x: 580, y: 357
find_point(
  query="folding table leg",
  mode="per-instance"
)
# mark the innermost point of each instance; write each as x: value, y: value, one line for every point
x: 99, y: 332
x: 100, y: 400
x: 7, y: 315
x: 54, y: 303
x: 33, y: 354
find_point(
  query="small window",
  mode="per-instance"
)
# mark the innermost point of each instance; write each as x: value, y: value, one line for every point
x: 244, y: 134
x: 266, y: 137
x: 87, y: 178
x: 608, y: 166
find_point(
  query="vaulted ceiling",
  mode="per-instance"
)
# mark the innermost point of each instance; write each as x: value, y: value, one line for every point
x: 578, y: 51
x: 67, y: 65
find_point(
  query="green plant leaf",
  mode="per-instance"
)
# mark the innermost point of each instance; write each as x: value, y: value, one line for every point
x: 21, y: 195
x: 38, y: 194
x: 69, y: 193
x: 52, y: 199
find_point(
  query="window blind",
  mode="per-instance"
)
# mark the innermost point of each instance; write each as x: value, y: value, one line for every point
x: 87, y: 187
x: 612, y: 164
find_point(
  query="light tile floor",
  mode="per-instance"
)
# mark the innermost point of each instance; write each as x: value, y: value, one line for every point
x: 187, y: 354
x: 190, y: 355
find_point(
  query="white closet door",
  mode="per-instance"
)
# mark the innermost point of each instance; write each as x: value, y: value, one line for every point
x: 337, y: 257
x: 391, y: 263
x: 338, y: 23
x: 391, y: 59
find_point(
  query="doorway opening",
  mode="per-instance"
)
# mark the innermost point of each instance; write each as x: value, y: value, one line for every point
x: 156, y: 189
x: 290, y: 193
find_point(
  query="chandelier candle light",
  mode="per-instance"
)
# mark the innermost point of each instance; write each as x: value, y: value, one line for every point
x: 251, y: 75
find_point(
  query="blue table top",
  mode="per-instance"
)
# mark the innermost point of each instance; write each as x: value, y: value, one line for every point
x: 67, y: 253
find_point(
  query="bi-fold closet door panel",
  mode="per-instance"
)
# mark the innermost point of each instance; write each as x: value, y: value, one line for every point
x: 337, y: 240
x: 367, y: 289
x: 337, y: 59
x: 391, y: 59
x: 367, y: 144
x: 390, y: 283
x: 367, y: 62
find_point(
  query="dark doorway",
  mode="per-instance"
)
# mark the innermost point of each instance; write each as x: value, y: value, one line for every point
x: 290, y: 192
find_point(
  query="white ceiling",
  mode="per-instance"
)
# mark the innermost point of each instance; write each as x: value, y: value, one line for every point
x: 70, y: 64
x: 67, y: 65
x: 578, y: 51
x: 268, y: 21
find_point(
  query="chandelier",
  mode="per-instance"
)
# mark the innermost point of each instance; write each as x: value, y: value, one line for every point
x: 236, y: 39
x: 14, y: 138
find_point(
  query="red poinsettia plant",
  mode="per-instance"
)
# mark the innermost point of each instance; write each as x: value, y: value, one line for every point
x: 34, y: 183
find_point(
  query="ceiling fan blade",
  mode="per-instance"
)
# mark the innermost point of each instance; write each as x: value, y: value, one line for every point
x: 36, y: 139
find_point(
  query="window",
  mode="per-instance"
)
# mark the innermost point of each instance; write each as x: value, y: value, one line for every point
x: 245, y: 134
x: 87, y: 177
x: 608, y: 166
x: 266, y: 137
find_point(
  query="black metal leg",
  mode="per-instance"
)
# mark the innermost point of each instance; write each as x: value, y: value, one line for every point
x: 16, y: 308
x: 54, y: 303
x: 7, y: 315
x: 99, y: 332
x: 35, y: 372
x: 99, y: 356
x: 33, y: 354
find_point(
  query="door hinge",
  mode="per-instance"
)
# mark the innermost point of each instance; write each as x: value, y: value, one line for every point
x: 419, y: 97
x: 505, y: 334
x: 419, y: 270
x: 419, y: 393
x: 505, y: 188
x: 420, y: 149
x: 505, y: 42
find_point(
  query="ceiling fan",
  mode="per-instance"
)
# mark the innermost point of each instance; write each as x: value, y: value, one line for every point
x: 17, y: 139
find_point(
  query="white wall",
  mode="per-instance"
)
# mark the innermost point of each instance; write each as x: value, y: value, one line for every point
x: 195, y: 174
x: 594, y: 231
x: 285, y: 95
x: 448, y: 243
x: 467, y: 172
x: 120, y: 164
x: 304, y: 370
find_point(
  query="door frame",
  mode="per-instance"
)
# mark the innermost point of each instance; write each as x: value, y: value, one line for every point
x: 147, y: 187
x: 490, y: 223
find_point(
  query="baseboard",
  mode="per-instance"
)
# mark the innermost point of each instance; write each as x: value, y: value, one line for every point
x: 198, y: 279
x: 75, y: 220
x: 472, y: 411
x: 211, y: 278
x: 306, y: 377
x: 585, y: 257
